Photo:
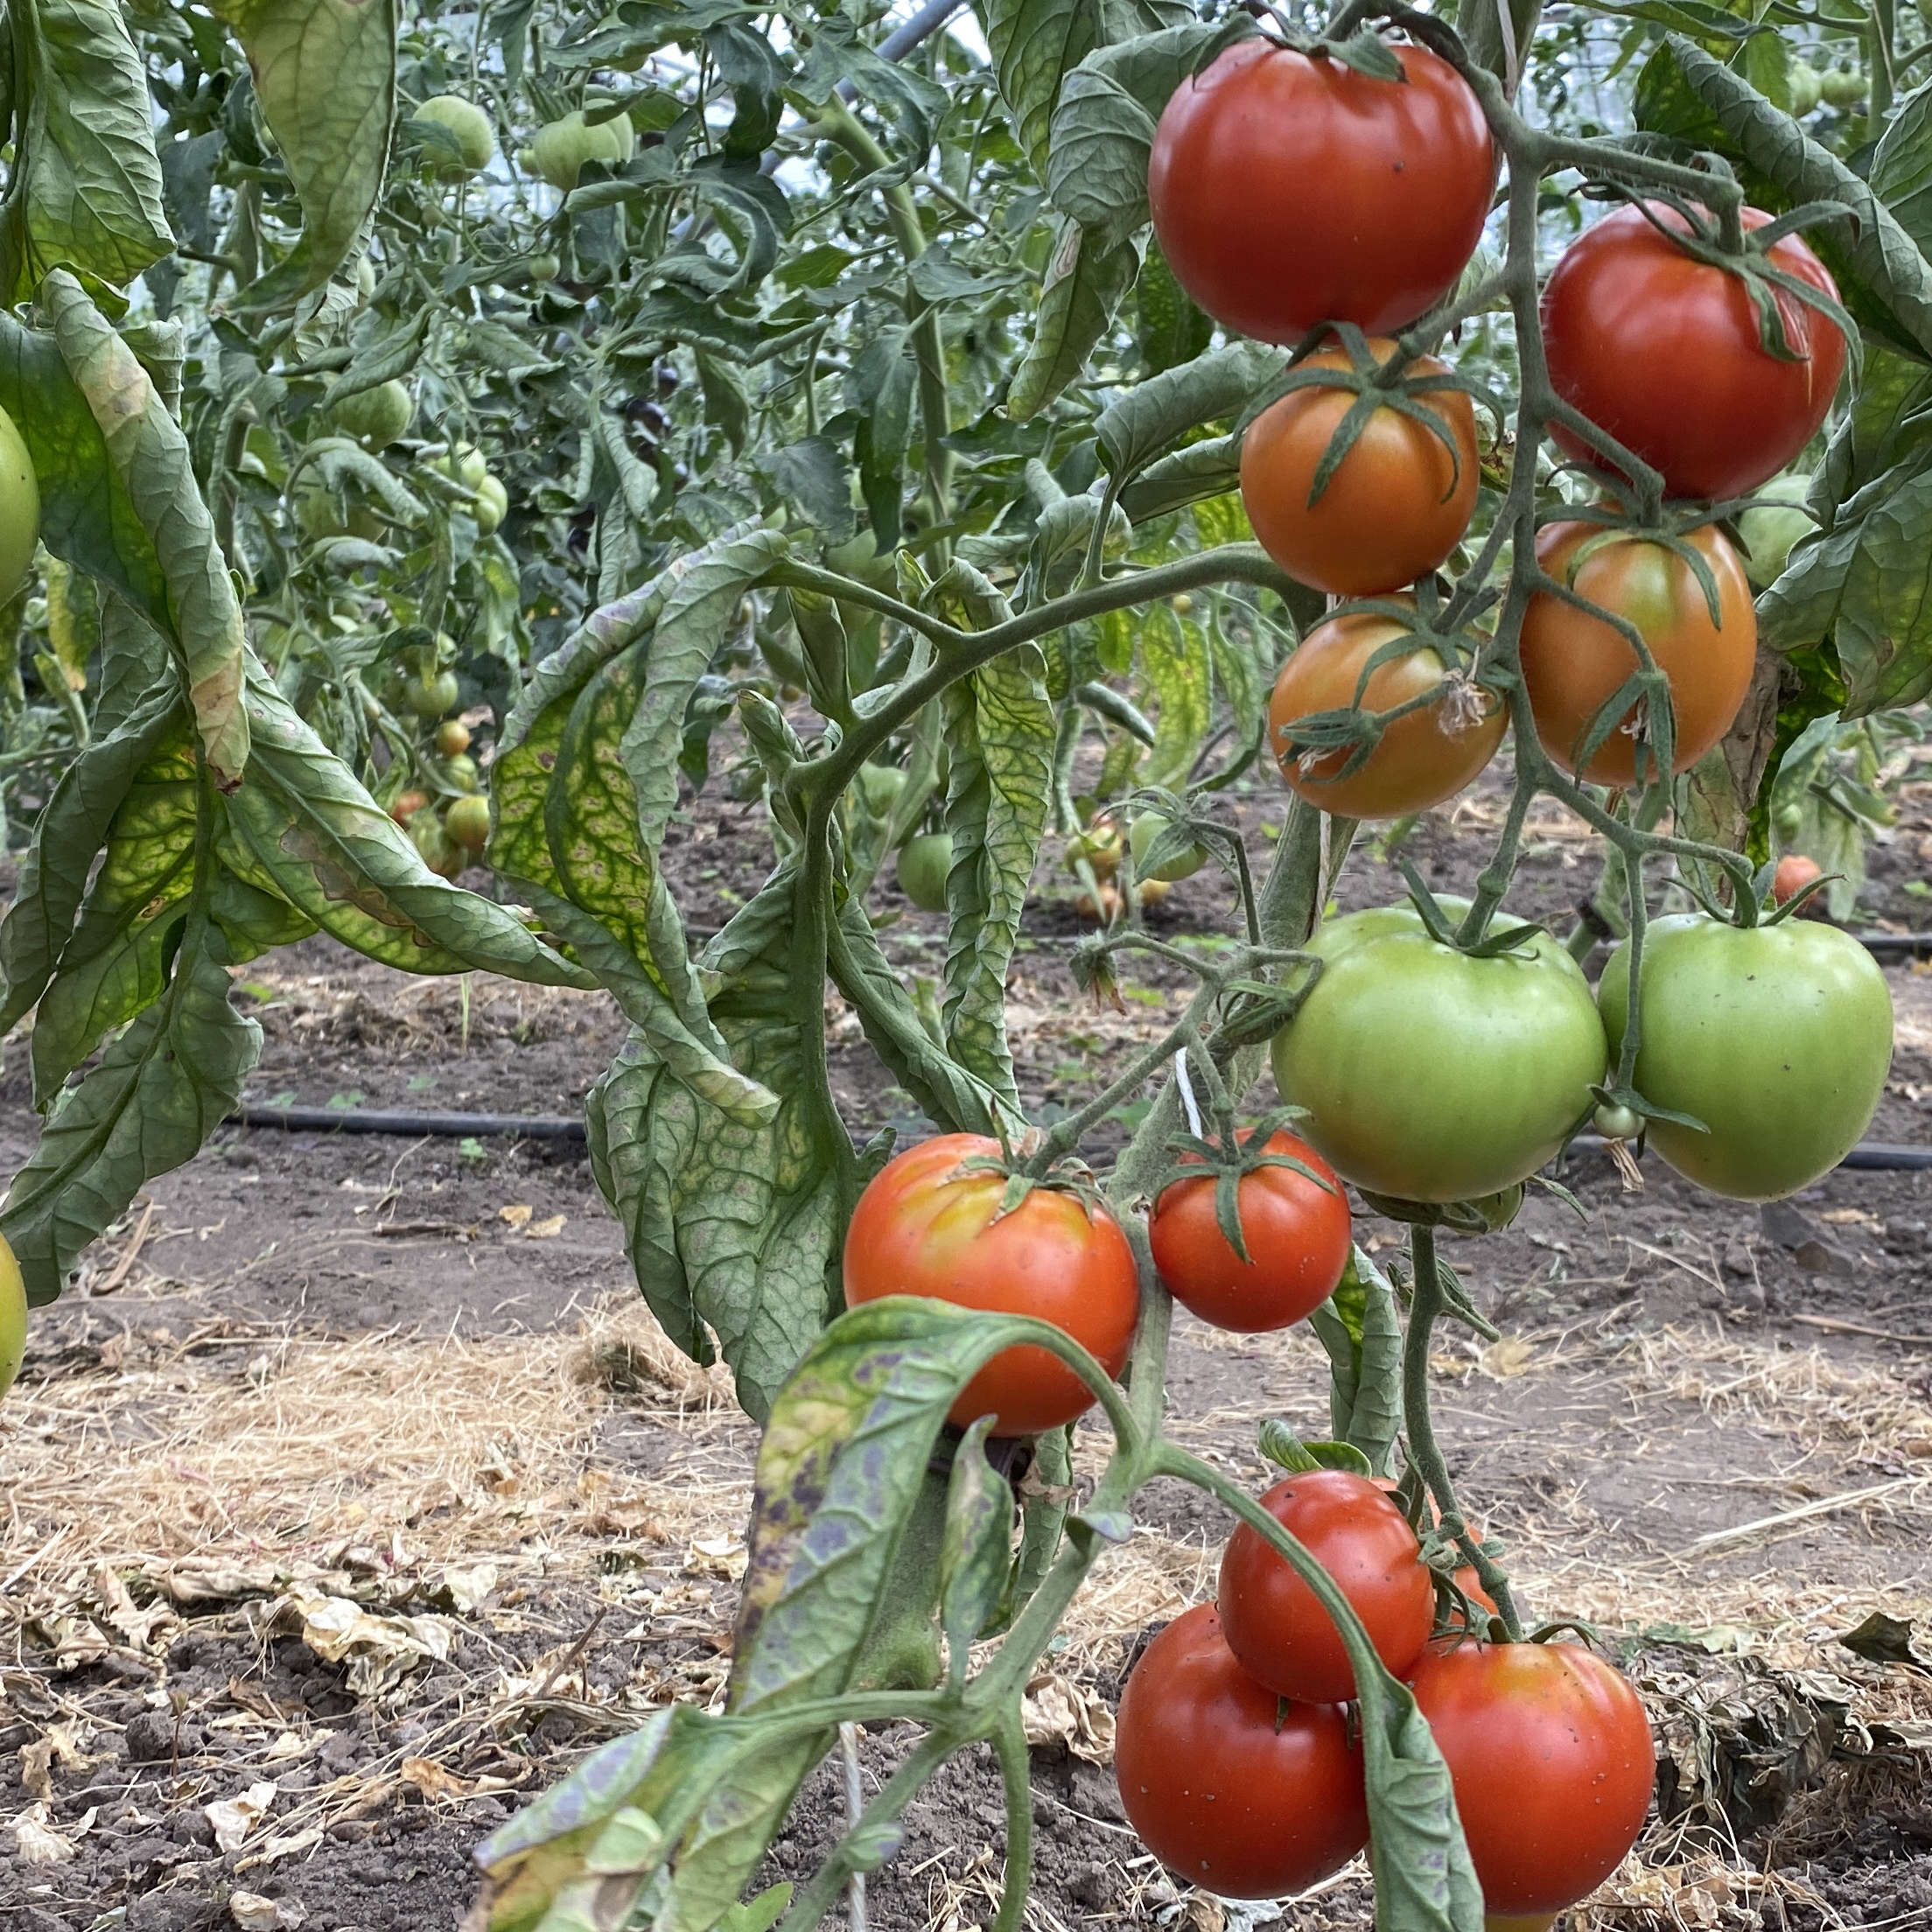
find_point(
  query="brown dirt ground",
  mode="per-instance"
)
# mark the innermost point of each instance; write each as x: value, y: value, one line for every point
x: 352, y: 1494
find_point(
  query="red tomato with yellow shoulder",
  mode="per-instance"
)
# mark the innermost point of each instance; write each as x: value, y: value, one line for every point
x: 1288, y: 191
x: 1395, y: 506
x: 1275, y: 1623
x: 1550, y: 1751
x: 1296, y: 1232
x: 1422, y: 757
x: 925, y: 1227
x: 1574, y: 664
x: 1665, y: 353
x: 1229, y: 1786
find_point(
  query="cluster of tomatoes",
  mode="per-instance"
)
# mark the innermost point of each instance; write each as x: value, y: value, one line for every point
x: 1655, y: 339
x: 450, y: 836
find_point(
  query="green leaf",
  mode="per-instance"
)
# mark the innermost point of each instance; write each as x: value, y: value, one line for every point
x: 1201, y: 470
x: 85, y: 188
x: 325, y: 73
x: 1866, y: 582
x: 116, y: 963
x: 1085, y: 282
x: 149, y: 456
x: 1172, y: 330
x: 301, y: 827
x: 977, y: 1558
x: 1142, y: 422
x: 1424, y: 1880
x: 1359, y: 1328
x: 732, y: 1224
x: 159, y: 1090
x: 53, y: 875
x: 999, y: 734
x: 1173, y: 659
x: 1882, y: 276
x: 1901, y: 165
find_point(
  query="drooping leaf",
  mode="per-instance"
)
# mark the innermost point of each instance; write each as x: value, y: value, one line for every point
x: 977, y: 1559
x: 1141, y: 422
x: 1424, y: 1881
x: 1361, y: 1330
x: 1085, y: 282
x: 325, y: 73
x: 1174, y: 658
x: 85, y: 188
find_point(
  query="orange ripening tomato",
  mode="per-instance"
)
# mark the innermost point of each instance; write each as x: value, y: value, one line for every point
x: 1396, y: 505
x: 1550, y: 1753
x: 1288, y: 192
x: 1275, y: 1623
x: 1296, y: 1232
x: 1665, y: 353
x: 1423, y: 757
x: 1229, y: 1786
x: 1795, y: 873
x: 1574, y: 663
x: 924, y: 1228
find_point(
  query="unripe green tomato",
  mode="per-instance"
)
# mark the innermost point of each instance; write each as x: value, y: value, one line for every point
x: 1842, y: 87
x: 544, y: 268
x: 376, y: 417
x: 1804, y: 81
x: 461, y: 771
x: 319, y: 512
x: 924, y: 864
x: 467, y: 821
x: 1770, y: 532
x: 19, y: 507
x: 440, y: 852
x: 453, y: 738
x: 1617, y: 1122
x: 563, y: 150
x: 475, y: 139
x: 432, y: 696
x: 492, y: 505
x: 466, y: 464
x: 880, y: 787
x: 1789, y: 819
x: 1141, y: 835
x: 13, y: 1318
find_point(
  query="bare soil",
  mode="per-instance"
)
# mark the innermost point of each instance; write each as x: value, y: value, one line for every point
x: 352, y: 1494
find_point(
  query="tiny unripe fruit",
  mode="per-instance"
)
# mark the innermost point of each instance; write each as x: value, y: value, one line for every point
x: 1803, y: 79
x: 1617, y: 1123
x: 452, y: 736
x: 475, y: 139
x: 924, y: 865
x: 1181, y: 604
x: 19, y: 507
x: 467, y: 821
x: 1789, y: 820
x: 466, y: 464
x: 880, y: 787
x: 1141, y: 835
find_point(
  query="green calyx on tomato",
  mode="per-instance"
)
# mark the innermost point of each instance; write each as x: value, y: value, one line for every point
x: 1372, y: 717
x: 1357, y: 483
x: 1288, y: 191
x: 1229, y: 1786
x: 925, y: 864
x: 1251, y: 1241
x: 1511, y: 1044
x: 940, y: 1221
x: 1776, y: 1037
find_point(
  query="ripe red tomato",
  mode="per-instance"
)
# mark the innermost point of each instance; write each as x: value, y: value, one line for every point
x: 923, y: 1228
x: 1296, y: 1232
x: 1574, y: 663
x: 1229, y: 1788
x: 1397, y: 504
x: 1275, y: 1624
x: 1288, y: 192
x: 1550, y: 1755
x: 1795, y: 873
x: 1662, y: 351
x: 1423, y: 757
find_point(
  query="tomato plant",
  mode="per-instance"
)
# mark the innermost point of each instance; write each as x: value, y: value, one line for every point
x: 1437, y: 730
x: 1394, y: 506
x: 1227, y: 1785
x: 1273, y: 1623
x: 1668, y: 352
x: 931, y: 1224
x: 1552, y: 1761
x: 1776, y: 1038
x: 1575, y: 664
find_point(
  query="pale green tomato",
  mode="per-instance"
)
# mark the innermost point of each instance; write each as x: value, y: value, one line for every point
x: 880, y: 787
x: 19, y: 507
x: 1431, y: 1077
x: 475, y: 139
x: 432, y: 696
x: 563, y: 150
x: 1842, y: 87
x: 1141, y: 835
x: 1777, y: 1038
x: 1803, y: 79
x: 13, y: 1318
x: 493, y: 504
x: 319, y: 512
x: 1770, y: 532
x: 923, y: 866
x: 467, y: 821
x: 376, y: 417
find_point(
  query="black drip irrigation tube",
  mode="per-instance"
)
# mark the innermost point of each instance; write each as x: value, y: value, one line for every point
x: 1872, y: 1155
